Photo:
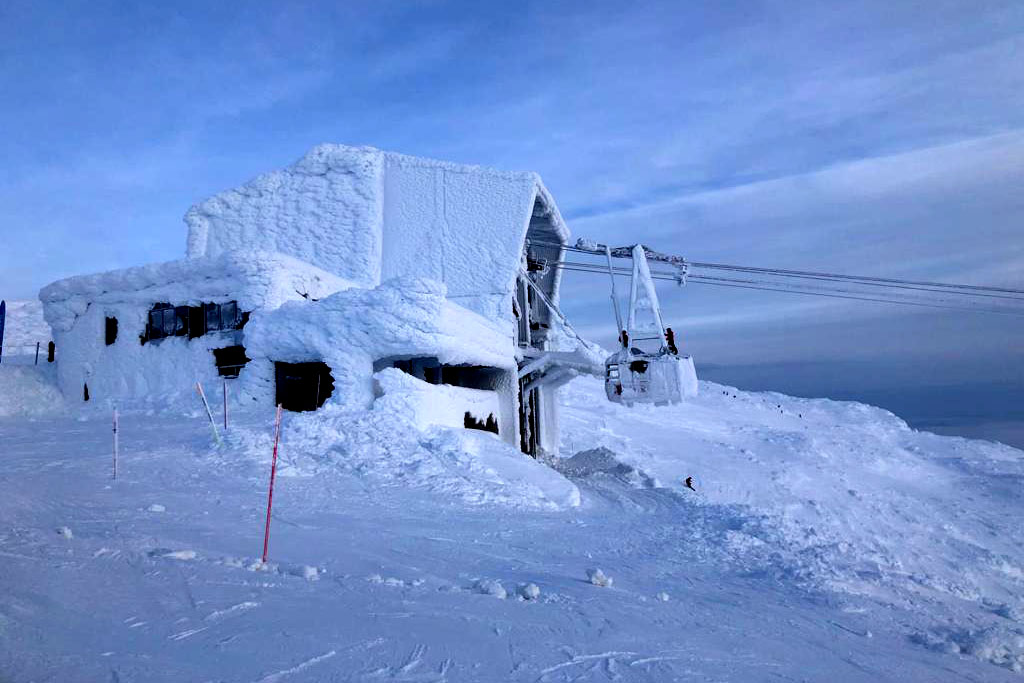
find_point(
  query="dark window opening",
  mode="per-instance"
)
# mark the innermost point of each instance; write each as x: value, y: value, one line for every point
x: 488, y: 425
x: 302, y: 386
x: 230, y: 360
x: 196, y: 322
x: 180, y: 321
x: 638, y: 366
x: 166, y: 320
x: 160, y: 323
x: 111, y: 330
x: 432, y: 371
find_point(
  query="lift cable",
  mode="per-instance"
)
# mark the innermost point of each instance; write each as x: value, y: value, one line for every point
x: 762, y: 285
x: 727, y: 282
x: 944, y: 289
x: 861, y: 278
x: 864, y: 280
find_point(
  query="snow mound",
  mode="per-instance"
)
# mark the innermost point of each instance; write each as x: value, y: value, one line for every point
x: 998, y: 645
x: 601, y: 461
x: 492, y: 588
x: 528, y: 591
x: 28, y: 391
x: 599, y: 578
x: 389, y: 449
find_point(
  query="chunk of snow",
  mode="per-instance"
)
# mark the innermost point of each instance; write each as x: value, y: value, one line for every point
x: 491, y: 587
x: 65, y: 532
x: 599, y: 578
x: 156, y: 507
x: 181, y: 555
x: 306, y: 572
x: 662, y: 596
x: 529, y: 591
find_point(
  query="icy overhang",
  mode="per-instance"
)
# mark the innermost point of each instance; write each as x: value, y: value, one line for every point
x: 253, y: 279
x: 402, y: 317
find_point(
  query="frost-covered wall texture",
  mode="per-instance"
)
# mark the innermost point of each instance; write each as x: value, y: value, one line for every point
x: 369, y: 216
x: 324, y: 210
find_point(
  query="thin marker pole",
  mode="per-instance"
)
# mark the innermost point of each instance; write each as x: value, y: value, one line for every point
x: 225, y: 405
x: 115, y: 443
x: 209, y: 414
x: 273, y: 472
x: 37, y: 354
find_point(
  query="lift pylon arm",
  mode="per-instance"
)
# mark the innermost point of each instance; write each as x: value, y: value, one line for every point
x: 678, y: 262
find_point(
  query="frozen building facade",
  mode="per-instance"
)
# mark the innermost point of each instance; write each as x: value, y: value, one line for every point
x: 351, y: 276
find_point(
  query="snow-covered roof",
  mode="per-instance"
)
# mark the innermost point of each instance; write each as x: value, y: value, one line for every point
x: 254, y: 279
x: 367, y: 215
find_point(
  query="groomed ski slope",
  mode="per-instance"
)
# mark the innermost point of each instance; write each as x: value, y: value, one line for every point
x: 826, y: 541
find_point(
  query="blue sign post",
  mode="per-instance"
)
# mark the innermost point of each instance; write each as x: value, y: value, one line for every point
x: 3, y: 316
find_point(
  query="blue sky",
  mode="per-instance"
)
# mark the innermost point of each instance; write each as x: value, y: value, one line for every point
x: 873, y: 137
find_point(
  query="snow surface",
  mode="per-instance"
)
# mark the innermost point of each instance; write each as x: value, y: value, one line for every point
x: 825, y: 540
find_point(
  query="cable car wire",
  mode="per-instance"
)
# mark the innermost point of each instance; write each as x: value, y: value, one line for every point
x: 864, y: 280
x: 785, y: 288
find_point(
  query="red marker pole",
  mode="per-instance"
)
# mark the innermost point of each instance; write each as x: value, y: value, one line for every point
x: 273, y: 472
x: 115, y: 443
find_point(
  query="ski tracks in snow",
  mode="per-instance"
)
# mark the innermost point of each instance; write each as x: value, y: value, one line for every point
x: 298, y: 668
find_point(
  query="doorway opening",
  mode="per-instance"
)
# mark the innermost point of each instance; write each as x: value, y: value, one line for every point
x: 302, y: 386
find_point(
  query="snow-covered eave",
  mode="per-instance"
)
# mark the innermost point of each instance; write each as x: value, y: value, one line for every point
x: 557, y: 222
x: 424, y: 162
x: 538, y: 192
x: 490, y: 346
x: 254, y: 279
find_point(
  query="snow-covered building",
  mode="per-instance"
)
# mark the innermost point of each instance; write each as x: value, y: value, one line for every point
x: 352, y: 275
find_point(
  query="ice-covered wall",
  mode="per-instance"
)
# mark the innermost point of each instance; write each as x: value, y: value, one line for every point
x: 161, y: 373
x: 463, y: 226
x: 325, y: 210
x: 369, y: 216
